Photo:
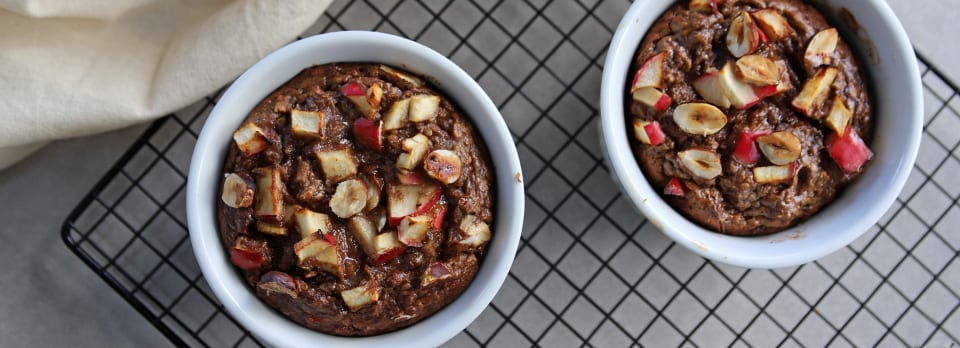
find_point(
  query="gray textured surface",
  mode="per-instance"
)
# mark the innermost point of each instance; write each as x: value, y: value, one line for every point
x: 50, y: 299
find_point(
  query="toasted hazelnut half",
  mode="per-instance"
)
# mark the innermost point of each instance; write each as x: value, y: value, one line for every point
x: 743, y: 36
x: 699, y: 118
x: 780, y: 147
x: 702, y: 163
x: 758, y: 70
x: 475, y: 231
x: 443, y: 165
x: 772, y: 23
x: 237, y: 191
x: 820, y: 49
x: 349, y: 199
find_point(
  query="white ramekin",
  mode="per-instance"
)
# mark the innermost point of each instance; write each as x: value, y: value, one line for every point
x: 878, y: 38
x: 271, y: 72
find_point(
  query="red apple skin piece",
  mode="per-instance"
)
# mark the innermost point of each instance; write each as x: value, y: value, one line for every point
x: 650, y: 73
x: 673, y: 188
x: 654, y: 133
x: 848, y: 151
x: 411, y: 178
x: 368, y: 133
x: 439, y: 213
x: 390, y: 255
x: 249, y: 253
x: 245, y: 259
x: 330, y: 238
x: 652, y: 97
x: 746, y: 150
x: 353, y: 89
x: 436, y: 271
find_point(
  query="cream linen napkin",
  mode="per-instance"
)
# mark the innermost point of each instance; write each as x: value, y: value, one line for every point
x: 77, y: 67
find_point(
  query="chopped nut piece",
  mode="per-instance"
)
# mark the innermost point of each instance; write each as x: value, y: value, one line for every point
x: 702, y: 163
x: 443, y: 165
x: 349, y: 199
x: 237, y: 191
x: 780, y: 147
x: 699, y: 118
x: 475, y: 231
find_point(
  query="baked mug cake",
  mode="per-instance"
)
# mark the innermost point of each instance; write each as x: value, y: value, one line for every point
x: 748, y: 115
x: 356, y: 199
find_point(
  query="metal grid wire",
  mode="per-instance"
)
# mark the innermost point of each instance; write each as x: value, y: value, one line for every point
x: 590, y: 270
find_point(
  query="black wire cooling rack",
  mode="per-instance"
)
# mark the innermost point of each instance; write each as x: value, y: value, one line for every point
x: 590, y: 270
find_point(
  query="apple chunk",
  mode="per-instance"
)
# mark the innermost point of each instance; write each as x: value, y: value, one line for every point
x: 367, y: 100
x: 820, y: 49
x: 814, y: 91
x: 650, y: 74
x: 848, y: 150
x: 404, y: 200
x: 308, y: 124
x: 365, y: 232
x: 652, y: 97
x: 271, y: 228
x: 774, y: 26
x: 269, y: 197
x: 423, y: 107
x: 360, y: 296
x: 839, y: 116
x: 709, y: 87
x: 251, y: 139
x: 397, y: 114
x: 337, y: 164
x: 388, y: 247
x: 367, y: 133
x: 309, y: 222
x: 317, y: 253
x: 673, y: 188
x: 248, y: 253
x: 237, y: 191
x: 413, y: 229
x: 740, y: 94
x: 475, y: 231
x: 648, y: 132
x: 415, y: 148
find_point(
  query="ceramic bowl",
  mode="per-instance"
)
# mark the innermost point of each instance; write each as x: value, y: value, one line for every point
x: 877, y: 37
x: 262, y: 79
